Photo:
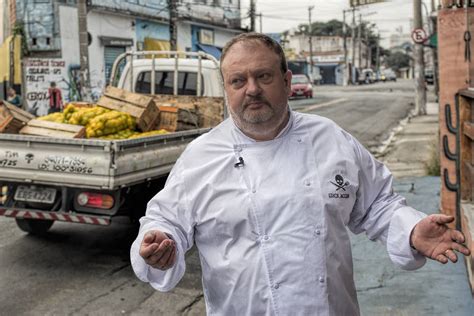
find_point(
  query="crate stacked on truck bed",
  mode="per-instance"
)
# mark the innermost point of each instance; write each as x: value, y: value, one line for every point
x: 12, y: 118
x: 204, y: 112
x: 120, y: 114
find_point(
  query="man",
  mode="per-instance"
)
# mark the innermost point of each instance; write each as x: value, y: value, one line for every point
x: 267, y: 196
x: 13, y: 98
x: 55, y: 98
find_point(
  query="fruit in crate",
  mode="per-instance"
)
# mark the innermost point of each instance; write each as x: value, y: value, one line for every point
x: 109, y: 123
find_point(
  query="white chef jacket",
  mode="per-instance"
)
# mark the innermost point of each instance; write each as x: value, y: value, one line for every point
x: 271, y: 232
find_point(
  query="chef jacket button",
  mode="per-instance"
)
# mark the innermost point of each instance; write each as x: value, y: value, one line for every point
x: 307, y: 183
x: 254, y: 191
x: 276, y: 286
x: 321, y: 279
x: 299, y: 140
x: 317, y: 232
x: 265, y: 237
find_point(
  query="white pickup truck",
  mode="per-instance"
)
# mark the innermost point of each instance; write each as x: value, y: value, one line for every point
x: 89, y: 180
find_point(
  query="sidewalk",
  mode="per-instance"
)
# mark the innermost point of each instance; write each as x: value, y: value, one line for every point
x: 412, y: 146
x: 435, y: 289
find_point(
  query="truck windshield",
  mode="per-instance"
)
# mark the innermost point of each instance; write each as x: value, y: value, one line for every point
x: 187, y: 83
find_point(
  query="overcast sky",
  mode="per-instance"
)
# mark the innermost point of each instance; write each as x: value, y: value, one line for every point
x: 281, y: 15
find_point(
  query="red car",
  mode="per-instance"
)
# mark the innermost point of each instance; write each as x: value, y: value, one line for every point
x: 301, y: 87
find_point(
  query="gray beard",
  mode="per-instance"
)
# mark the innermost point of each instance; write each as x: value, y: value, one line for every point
x: 260, y: 124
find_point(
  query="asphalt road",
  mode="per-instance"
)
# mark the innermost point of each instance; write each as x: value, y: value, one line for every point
x: 85, y: 270
x: 368, y: 112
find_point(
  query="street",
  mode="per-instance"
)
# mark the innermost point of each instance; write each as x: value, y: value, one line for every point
x: 368, y: 112
x: 80, y: 269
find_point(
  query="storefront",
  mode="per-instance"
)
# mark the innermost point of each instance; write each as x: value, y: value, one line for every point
x: 113, y: 47
x: 203, y: 39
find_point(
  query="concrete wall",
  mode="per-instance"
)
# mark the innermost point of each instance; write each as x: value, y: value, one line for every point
x: 146, y: 28
x: 184, y: 36
x: 69, y: 30
x: 101, y: 24
x: 40, y: 25
x: 3, y: 12
x: 221, y: 37
x: 151, y: 8
x: 227, y: 12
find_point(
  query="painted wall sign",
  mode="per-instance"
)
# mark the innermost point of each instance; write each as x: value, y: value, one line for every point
x: 39, y: 73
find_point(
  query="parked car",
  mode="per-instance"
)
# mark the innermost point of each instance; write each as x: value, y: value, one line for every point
x: 429, y: 76
x: 390, y: 75
x: 301, y: 87
x: 366, y: 76
x: 380, y: 76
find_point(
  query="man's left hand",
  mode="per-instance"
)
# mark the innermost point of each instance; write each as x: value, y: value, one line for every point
x: 434, y: 239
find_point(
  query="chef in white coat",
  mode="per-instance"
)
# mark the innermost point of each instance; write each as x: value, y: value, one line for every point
x: 267, y: 197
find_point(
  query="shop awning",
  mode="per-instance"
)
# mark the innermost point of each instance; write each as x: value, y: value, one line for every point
x: 211, y: 50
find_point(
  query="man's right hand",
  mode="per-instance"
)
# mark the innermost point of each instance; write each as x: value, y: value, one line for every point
x: 158, y: 250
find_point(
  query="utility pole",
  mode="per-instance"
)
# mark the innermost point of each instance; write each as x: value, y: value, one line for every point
x: 173, y: 11
x: 377, y: 57
x: 368, y: 56
x: 353, y: 73
x: 344, y: 40
x: 310, y: 31
x: 260, y: 21
x: 420, y: 102
x: 359, y: 39
x: 252, y: 15
x: 85, y: 78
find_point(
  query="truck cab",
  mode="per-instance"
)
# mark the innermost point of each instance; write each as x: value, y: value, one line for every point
x: 188, y: 70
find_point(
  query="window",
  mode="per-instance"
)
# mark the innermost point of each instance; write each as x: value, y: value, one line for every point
x: 187, y: 83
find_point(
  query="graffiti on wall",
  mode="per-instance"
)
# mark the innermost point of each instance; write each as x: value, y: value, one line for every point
x: 39, y: 73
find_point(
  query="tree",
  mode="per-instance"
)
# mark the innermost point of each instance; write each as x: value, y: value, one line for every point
x: 330, y: 28
x: 398, y: 60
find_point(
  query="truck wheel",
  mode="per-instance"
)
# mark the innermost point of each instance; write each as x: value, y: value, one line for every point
x: 34, y: 227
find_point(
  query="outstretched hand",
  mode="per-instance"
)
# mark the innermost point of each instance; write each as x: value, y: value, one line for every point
x: 434, y: 239
x: 158, y: 250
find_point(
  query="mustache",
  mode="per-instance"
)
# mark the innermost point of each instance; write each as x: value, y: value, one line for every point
x: 256, y: 99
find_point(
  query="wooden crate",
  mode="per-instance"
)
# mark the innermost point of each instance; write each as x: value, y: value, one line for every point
x: 12, y: 118
x: 174, y: 119
x: 53, y: 129
x: 210, y: 110
x: 141, y: 107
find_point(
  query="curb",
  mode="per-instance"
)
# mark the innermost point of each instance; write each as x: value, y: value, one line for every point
x: 383, y: 149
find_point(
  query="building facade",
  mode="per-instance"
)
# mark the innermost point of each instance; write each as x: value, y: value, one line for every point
x: 52, y: 37
x: 328, y: 56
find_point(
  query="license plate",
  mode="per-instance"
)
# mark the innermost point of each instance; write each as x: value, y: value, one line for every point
x: 299, y: 92
x: 35, y: 194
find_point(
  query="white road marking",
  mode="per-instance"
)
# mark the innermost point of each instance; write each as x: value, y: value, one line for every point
x: 322, y: 105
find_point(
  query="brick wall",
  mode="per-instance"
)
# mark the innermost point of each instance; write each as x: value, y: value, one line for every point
x: 454, y: 75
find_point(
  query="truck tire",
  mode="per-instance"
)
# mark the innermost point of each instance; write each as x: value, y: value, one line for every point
x: 34, y: 227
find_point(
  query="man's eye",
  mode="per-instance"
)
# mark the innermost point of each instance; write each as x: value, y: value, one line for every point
x: 265, y: 77
x: 236, y: 81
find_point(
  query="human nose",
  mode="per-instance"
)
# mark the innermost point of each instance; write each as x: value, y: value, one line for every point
x: 253, y: 88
